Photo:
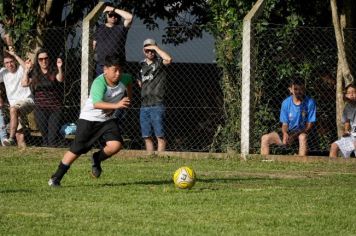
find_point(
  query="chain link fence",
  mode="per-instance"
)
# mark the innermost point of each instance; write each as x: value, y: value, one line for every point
x: 194, y: 96
x: 282, y: 54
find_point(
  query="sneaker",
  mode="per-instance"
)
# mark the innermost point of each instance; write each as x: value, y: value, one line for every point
x: 8, y: 142
x: 96, y: 166
x: 53, y: 182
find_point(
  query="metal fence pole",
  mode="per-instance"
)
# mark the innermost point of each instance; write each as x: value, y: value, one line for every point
x: 247, y: 76
x: 87, y: 51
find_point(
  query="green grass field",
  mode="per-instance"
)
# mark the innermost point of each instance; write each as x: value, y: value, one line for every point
x: 136, y: 196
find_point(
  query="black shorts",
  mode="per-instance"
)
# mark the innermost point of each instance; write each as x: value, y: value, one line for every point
x: 89, y: 132
x: 293, y: 144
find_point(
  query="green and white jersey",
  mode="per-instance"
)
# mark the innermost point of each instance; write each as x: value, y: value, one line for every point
x: 100, y: 91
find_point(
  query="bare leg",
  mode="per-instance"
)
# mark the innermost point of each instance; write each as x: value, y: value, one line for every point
x: 303, y: 144
x: 161, y: 144
x: 69, y: 157
x: 333, y: 150
x: 267, y: 140
x: 13, y: 121
x: 20, y: 138
x: 149, y: 144
x: 112, y: 147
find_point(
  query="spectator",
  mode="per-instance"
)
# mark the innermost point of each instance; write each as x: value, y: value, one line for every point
x: 45, y: 82
x: 348, y: 141
x: 6, y: 39
x: 20, y: 98
x: 298, y: 115
x: 3, y: 132
x: 152, y: 82
x: 110, y: 38
x: 96, y: 120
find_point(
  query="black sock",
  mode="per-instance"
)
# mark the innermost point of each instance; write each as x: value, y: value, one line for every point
x: 61, y: 170
x: 102, y: 155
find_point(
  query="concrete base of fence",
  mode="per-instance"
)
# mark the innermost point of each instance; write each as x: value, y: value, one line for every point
x: 144, y: 153
x: 269, y: 158
x: 129, y: 153
x: 292, y: 158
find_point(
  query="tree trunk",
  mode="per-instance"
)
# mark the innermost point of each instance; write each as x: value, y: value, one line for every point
x: 344, y: 76
x: 340, y: 104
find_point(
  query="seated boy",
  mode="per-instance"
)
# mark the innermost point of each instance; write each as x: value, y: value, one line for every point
x: 348, y: 141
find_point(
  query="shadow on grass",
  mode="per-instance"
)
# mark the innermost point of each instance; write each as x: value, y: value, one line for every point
x: 5, y: 191
x: 163, y: 182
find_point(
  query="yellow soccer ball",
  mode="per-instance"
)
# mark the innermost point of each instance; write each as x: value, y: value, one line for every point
x: 184, y: 178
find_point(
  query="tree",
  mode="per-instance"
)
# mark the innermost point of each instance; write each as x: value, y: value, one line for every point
x: 29, y: 21
x: 344, y: 76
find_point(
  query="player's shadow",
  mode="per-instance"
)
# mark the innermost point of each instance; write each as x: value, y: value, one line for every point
x: 203, y: 180
x: 5, y: 191
x: 150, y: 182
x: 236, y: 179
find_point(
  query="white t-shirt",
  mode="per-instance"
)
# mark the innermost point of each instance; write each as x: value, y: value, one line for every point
x: 14, y: 90
x: 101, y: 92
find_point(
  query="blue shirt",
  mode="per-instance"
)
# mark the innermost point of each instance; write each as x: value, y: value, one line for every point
x: 296, y: 116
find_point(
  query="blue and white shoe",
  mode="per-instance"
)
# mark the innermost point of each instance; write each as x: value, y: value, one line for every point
x: 8, y: 142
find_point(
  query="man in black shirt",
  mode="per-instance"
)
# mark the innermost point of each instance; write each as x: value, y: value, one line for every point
x: 110, y: 38
x: 152, y: 83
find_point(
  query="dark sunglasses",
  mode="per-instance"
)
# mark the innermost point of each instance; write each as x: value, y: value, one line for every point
x: 149, y: 50
x: 112, y: 15
x: 42, y: 58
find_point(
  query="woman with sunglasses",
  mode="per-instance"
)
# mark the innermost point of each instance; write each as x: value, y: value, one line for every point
x: 45, y: 82
x: 110, y: 38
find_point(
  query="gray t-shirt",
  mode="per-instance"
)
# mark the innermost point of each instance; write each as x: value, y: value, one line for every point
x: 349, y: 114
x: 2, y: 31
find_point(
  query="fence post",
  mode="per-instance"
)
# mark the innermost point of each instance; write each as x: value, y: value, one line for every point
x: 87, y: 51
x: 248, y: 67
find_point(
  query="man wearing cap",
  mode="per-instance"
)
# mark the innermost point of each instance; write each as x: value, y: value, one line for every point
x: 152, y: 82
x: 110, y: 38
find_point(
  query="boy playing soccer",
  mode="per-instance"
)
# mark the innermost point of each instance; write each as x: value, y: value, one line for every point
x: 96, y: 120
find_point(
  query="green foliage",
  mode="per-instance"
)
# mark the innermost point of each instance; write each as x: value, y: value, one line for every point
x: 20, y: 17
x: 29, y: 21
x: 226, y: 25
x: 136, y: 196
x: 279, y: 45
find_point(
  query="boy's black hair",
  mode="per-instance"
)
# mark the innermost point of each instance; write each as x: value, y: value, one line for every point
x: 113, y: 60
x: 297, y: 81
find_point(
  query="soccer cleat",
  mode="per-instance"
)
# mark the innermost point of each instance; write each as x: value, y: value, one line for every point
x: 8, y: 142
x: 53, y: 182
x: 96, y: 166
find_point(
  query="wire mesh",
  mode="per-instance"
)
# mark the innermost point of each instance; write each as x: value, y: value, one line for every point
x: 194, y: 99
x: 282, y: 54
x: 193, y: 94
